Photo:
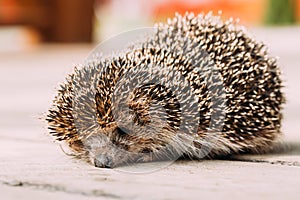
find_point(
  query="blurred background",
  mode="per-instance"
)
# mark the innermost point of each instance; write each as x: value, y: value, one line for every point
x: 42, y: 40
x: 28, y: 22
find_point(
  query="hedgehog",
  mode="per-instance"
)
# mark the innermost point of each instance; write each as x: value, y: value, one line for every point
x: 197, y: 87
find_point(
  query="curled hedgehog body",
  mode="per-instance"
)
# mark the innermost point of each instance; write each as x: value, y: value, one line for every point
x: 197, y: 86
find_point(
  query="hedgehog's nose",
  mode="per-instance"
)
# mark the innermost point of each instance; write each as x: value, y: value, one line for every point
x: 103, y: 161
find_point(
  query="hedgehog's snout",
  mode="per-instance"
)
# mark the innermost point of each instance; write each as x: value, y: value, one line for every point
x: 103, y: 161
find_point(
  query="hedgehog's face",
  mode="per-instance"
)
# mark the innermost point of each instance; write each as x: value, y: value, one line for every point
x: 137, y: 130
x: 127, y: 142
x: 115, y: 147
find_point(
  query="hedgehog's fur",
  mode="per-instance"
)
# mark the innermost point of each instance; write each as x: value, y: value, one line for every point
x: 83, y: 111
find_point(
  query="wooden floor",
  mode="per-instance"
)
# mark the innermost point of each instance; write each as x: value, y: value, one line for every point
x: 33, y: 167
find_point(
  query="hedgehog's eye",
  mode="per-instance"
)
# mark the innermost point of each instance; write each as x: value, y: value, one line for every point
x: 122, y: 131
x: 146, y: 150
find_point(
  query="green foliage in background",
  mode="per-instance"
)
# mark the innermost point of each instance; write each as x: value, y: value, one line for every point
x: 281, y: 12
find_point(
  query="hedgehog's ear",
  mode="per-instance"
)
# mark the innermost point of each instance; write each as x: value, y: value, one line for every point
x: 103, y: 109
